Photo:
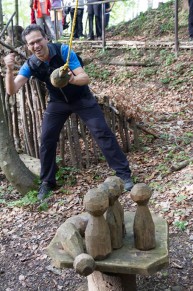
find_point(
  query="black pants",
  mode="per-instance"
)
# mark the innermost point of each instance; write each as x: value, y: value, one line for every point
x: 78, y: 31
x: 89, y: 111
x: 94, y: 11
x: 190, y: 18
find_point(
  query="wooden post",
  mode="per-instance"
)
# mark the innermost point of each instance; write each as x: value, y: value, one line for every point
x: 143, y: 228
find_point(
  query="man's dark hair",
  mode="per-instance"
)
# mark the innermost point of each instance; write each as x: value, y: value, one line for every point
x: 30, y: 28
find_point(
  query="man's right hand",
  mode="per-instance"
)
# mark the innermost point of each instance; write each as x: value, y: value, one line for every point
x: 10, y: 61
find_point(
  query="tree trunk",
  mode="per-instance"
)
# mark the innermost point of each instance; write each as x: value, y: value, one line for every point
x: 14, y: 169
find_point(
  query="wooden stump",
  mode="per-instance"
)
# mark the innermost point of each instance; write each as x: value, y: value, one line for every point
x: 98, y: 281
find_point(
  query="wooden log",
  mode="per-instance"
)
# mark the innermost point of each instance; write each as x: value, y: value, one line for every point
x: 41, y: 96
x: 143, y: 228
x: 95, y: 152
x: 179, y: 166
x: 71, y: 144
x: 62, y: 145
x: 77, y: 149
x: 33, y: 140
x: 9, y: 116
x: 2, y: 96
x: 26, y: 134
x: 147, y: 130
x: 135, y: 132
x: 122, y: 133
x: 37, y: 106
x: 127, y: 135
x: 113, y: 118
x: 86, y: 146
x: 106, y: 110
x: 15, y: 123
x: 126, y: 64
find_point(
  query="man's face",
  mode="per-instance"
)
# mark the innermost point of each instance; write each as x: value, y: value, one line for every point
x: 37, y: 44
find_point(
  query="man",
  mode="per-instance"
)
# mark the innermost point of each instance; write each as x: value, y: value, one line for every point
x: 74, y: 97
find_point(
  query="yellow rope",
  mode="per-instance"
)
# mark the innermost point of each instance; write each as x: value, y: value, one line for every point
x: 71, y: 36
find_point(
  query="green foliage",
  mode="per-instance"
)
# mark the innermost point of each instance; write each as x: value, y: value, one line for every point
x: 147, y: 72
x: 135, y: 54
x: 29, y: 199
x: 66, y: 175
x: 165, y: 80
x: 187, y: 137
x: 135, y: 179
x: 168, y: 26
x: 162, y: 168
x: 118, y: 79
x: 43, y: 206
x: 169, y: 59
x: 98, y: 73
x: 162, y: 22
x: 155, y: 185
x: 181, y: 225
x: 165, y: 136
x: 180, y: 198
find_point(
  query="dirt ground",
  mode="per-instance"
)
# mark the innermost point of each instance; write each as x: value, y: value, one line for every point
x: 26, y: 232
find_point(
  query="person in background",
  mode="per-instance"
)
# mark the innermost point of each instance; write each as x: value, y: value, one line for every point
x: 42, y: 11
x: 32, y: 13
x: 74, y: 97
x: 107, y: 13
x: 78, y: 31
x: 94, y: 11
x: 57, y: 5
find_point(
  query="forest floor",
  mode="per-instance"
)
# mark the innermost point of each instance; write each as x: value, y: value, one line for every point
x: 160, y: 96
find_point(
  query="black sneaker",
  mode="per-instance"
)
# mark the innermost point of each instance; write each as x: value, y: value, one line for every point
x: 44, y: 190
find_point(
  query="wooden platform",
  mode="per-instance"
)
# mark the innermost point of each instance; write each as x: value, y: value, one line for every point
x: 127, y: 260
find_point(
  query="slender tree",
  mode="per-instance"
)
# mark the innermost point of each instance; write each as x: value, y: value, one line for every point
x: 1, y: 16
x: 14, y: 169
x: 17, y: 12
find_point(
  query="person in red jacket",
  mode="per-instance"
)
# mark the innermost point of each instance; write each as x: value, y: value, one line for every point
x: 32, y: 13
x: 43, y: 19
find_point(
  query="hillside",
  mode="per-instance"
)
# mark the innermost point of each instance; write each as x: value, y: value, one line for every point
x: 154, y: 86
